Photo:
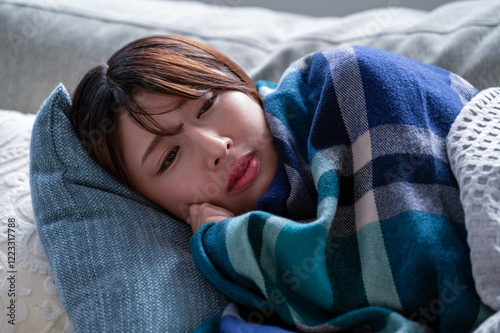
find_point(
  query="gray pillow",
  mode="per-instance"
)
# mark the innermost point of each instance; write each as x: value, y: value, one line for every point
x: 120, y: 263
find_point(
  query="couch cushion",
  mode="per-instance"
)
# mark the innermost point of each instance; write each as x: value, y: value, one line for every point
x: 120, y: 263
x: 46, y: 42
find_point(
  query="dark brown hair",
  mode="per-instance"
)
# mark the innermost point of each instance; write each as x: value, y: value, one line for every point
x: 159, y: 64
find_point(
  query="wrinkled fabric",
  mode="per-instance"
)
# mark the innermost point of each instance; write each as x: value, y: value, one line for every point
x: 362, y: 137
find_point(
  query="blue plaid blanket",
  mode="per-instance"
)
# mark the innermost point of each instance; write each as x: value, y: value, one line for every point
x: 362, y: 228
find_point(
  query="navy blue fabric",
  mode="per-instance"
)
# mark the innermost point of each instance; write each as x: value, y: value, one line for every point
x: 274, y: 200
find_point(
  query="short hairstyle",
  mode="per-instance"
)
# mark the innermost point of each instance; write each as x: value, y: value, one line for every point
x: 169, y: 65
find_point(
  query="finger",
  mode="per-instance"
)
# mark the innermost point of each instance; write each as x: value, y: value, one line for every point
x: 208, y: 207
x: 193, y: 213
x: 212, y: 213
x: 194, y: 210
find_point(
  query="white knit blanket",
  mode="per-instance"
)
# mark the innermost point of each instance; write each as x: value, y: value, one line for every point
x: 473, y: 147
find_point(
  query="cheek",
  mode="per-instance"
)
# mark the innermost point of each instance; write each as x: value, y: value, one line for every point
x: 174, y: 196
x: 182, y: 190
x: 254, y: 128
x: 202, y: 189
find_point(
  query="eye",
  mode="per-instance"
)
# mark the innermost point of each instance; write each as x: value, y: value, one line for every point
x: 169, y: 159
x: 208, y: 104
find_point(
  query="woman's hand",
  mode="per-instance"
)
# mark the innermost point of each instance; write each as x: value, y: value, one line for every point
x: 200, y: 214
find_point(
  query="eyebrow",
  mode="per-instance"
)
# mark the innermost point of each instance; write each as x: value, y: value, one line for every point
x: 164, y: 109
x: 177, y: 130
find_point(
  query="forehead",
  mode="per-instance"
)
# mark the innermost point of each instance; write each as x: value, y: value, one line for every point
x: 152, y: 102
x: 130, y: 133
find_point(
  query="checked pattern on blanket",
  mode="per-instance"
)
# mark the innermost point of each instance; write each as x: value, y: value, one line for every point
x: 362, y: 228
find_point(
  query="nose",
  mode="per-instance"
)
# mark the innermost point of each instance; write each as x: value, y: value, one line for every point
x: 212, y: 146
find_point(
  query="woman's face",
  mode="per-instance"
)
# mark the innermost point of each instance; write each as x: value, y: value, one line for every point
x: 220, y: 151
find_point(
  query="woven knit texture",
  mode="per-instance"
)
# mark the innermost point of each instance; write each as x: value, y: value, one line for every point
x: 120, y: 264
x: 474, y: 152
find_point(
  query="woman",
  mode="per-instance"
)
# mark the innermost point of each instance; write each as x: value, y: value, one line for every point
x: 348, y: 218
x: 180, y: 123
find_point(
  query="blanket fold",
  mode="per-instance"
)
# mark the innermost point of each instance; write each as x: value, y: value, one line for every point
x: 370, y: 235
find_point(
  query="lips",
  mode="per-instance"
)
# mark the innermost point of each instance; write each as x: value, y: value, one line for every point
x: 243, y: 173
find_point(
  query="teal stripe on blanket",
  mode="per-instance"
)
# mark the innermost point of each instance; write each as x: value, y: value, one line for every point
x: 376, y: 269
x: 241, y: 255
x: 453, y: 296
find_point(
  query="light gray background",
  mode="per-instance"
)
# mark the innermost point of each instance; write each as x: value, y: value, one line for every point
x: 329, y: 7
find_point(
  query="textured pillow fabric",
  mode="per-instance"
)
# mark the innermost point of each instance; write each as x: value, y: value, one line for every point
x: 120, y: 264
